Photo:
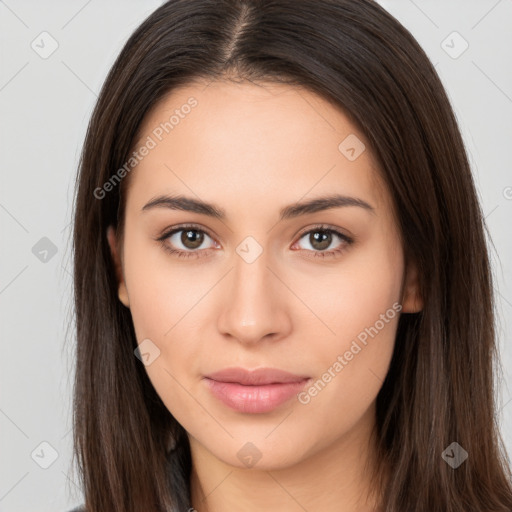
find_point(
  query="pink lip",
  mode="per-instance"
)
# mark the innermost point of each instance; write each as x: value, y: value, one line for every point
x: 257, y: 391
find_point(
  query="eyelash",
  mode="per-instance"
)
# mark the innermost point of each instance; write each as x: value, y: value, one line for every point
x: 204, y: 252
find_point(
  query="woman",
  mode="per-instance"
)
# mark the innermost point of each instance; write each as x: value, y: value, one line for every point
x: 282, y: 285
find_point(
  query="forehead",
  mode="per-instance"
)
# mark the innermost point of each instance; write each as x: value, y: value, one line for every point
x: 259, y: 141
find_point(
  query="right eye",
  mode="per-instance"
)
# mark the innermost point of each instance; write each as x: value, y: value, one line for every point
x: 191, y: 237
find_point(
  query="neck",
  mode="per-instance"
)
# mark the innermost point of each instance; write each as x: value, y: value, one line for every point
x: 335, y: 478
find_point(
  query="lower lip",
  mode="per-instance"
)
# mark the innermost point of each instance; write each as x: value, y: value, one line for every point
x: 254, y: 399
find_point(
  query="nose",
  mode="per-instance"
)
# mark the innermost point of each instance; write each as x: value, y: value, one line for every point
x: 254, y: 304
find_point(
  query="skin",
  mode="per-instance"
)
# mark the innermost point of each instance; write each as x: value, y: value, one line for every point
x: 253, y: 149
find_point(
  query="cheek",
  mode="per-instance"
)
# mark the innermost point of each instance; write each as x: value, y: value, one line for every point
x: 162, y: 300
x: 362, y: 309
x: 365, y: 317
x: 350, y: 375
x: 160, y: 297
x: 159, y: 290
x: 352, y: 296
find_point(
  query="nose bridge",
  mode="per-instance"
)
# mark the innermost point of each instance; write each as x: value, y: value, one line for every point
x: 253, y: 307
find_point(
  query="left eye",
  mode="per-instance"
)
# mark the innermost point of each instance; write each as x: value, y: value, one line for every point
x: 320, y: 239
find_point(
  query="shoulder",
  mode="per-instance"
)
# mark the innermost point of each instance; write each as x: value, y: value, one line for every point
x: 81, y: 508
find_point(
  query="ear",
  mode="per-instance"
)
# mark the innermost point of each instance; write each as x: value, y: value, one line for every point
x: 412, y: 301
x: 122, y: 290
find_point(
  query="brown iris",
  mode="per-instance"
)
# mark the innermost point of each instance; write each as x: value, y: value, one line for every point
x: 192, y: 238
x: 321, y: 238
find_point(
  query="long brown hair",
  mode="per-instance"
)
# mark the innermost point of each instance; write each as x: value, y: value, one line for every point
x: 439, y: 388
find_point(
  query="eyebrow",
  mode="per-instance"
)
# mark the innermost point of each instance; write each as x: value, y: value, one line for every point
x: 189, y: 204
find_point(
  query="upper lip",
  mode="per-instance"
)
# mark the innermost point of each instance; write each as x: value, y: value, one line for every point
x: 260, y: 376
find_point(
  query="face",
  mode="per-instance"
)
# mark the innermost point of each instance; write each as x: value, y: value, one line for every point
x: 255, y: 282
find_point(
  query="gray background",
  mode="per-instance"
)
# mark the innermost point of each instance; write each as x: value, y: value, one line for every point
x: 45, y: 106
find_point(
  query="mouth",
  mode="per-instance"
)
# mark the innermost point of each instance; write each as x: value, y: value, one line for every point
x: 257, y: 391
